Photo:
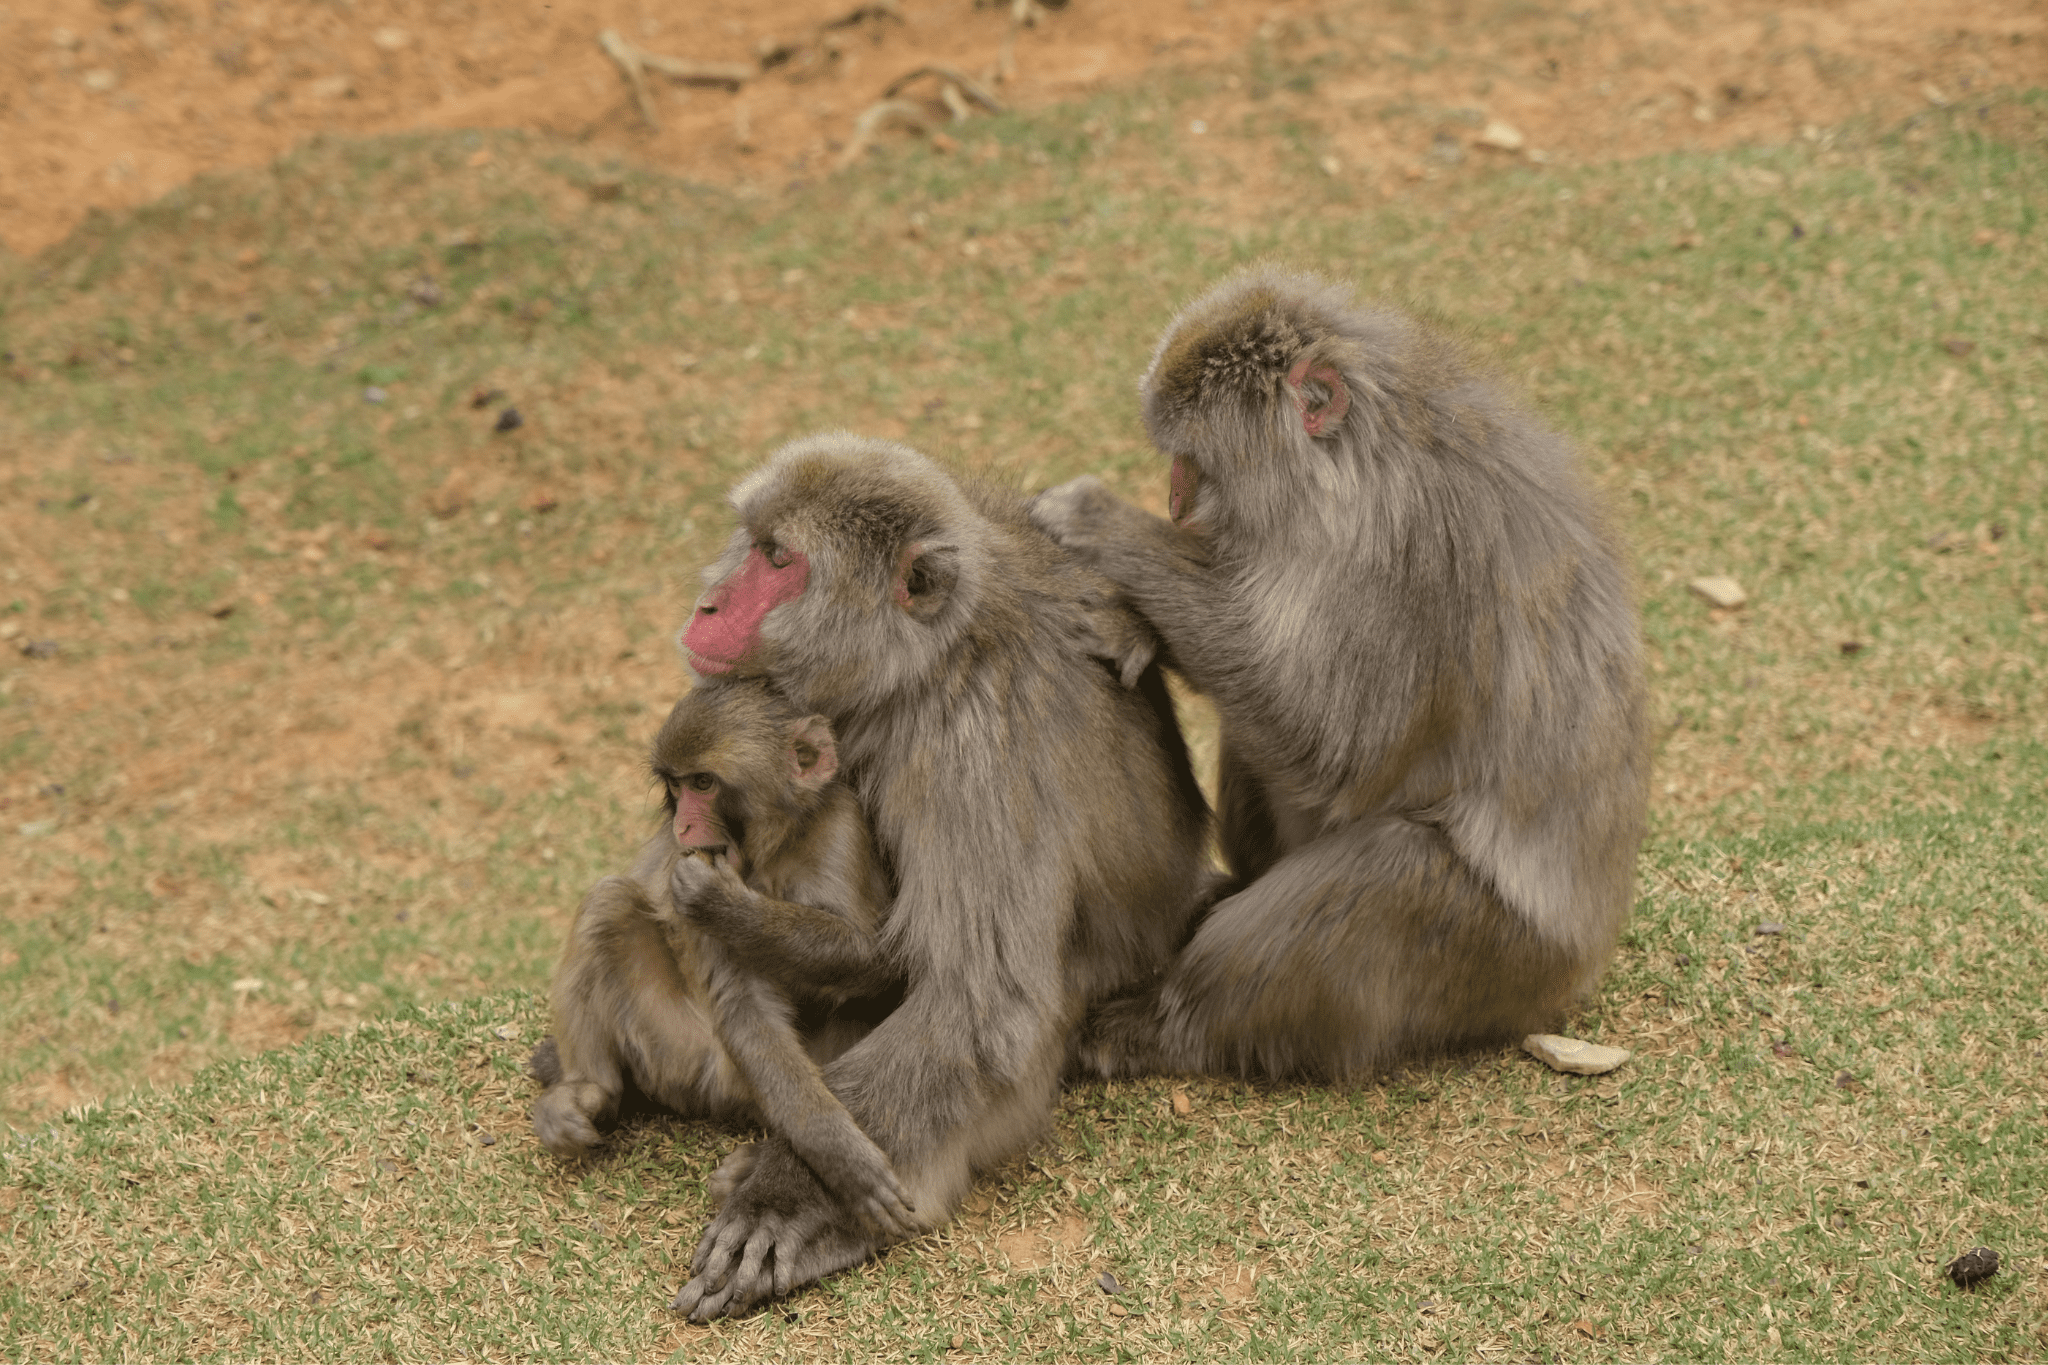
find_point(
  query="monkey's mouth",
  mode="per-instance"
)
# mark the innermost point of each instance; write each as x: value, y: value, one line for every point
x: 705, y: 850
x: 707, y: 664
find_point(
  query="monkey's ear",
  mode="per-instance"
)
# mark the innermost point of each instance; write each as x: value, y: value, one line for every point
x: 1321, y: 394
x: 813, y: 753
x: 926, y: 574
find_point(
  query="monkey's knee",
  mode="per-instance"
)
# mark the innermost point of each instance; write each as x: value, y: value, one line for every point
x: 565, y: 1118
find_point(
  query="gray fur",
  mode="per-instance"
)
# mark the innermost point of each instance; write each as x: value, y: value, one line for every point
x: 689, y: 980
x: 1419, y: 636
x: 1041, y: 822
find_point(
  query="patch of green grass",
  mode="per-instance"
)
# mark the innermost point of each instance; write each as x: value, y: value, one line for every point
x: 368, y: 714
x: 1816, y: 1120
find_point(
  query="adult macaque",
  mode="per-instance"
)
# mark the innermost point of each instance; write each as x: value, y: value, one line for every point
x: 1396, y: 588
x: 754, y: 915
x: 1041, y: 821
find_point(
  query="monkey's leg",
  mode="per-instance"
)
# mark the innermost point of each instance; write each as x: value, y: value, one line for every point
x: 1371, y: 945
x: 754, y: 1024
x: 1245, y: 827
x: 624, y: 1004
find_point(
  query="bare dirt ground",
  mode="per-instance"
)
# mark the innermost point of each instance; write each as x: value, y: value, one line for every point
x: 110, y: 103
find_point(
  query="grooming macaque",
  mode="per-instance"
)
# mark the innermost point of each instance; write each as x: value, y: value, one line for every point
x: 1041, y: 822
x: 757, y: 908
x: 1395, y: 587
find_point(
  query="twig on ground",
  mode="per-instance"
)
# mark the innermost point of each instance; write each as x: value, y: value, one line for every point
x: 971, y: 87
x: 728, y: 75
x: 636, y: 62
x: 628, y: 58
x: 873, y: 119
x: 874, y: 9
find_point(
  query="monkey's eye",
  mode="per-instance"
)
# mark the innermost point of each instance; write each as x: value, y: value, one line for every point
x: 779, y: 556
x: 701, y: 782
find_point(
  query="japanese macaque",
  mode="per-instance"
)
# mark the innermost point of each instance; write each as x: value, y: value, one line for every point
x: 740, y: 937
x: 1040, y: 820
x: 1395, y: 586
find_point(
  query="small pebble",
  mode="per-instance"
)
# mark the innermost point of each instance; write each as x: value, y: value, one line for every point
x: 1501, y: 136
x: 509, y: 420
x: 1768, y: 928
x: 373, y: 394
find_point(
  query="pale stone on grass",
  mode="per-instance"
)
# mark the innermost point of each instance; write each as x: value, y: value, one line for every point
x: 1574, y: 1055
x: 1501, y: 136
x: 1720, y: 590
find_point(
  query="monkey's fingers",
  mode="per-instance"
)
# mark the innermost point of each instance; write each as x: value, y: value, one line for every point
x: 712, y: 1280
x: 707, y: 1303
x: 752, y: 1280
x: 886, y: 1208
x: 718, y: 1248
x: 892, y: 1218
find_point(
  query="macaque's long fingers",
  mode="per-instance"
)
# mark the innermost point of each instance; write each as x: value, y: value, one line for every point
x: 889, y: 1209
x: 754, y: 1280
x: 890, y: 1219
x: 720, y: 1247
x: 715, y: 1304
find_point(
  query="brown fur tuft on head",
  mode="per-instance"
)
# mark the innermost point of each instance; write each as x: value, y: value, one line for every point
x: 1244, y: 349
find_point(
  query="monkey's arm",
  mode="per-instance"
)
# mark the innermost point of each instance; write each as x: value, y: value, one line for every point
x: 804, y: 949
x: 754, y: 1023
x: 1164, y: 570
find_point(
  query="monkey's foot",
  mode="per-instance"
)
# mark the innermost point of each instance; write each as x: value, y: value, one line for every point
x: 565, y: 1117
x: 1121, y: 1039
x: 779, y: 1231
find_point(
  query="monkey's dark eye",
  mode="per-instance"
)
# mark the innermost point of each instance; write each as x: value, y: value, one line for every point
x: 779, y: 556
x: 701, y: 782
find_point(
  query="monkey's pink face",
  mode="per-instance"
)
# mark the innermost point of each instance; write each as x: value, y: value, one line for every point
x: 697, y: 827
x: 726, y: 628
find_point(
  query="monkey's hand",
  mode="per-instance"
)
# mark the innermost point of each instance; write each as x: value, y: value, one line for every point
x: 1080, y: 514
x: 1107, y: 629
x: 777, y: 1231
x: 857, y: 1171
x: 702, y: 887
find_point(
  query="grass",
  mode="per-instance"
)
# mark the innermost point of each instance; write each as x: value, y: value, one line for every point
x: 347, y: 700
